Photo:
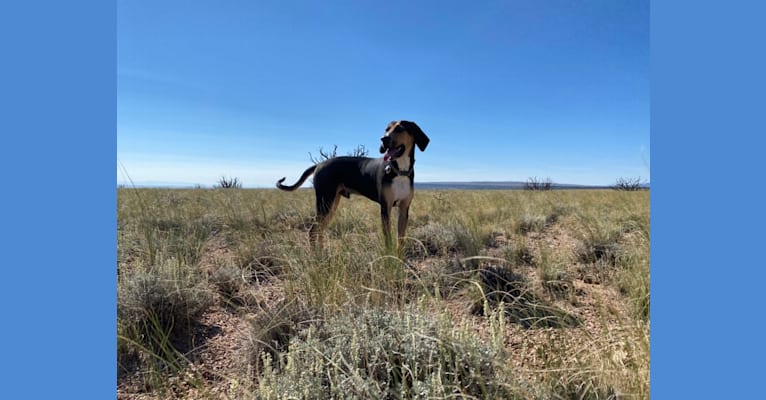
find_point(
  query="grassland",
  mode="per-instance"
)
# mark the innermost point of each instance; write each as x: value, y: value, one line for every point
x: 494, y: 294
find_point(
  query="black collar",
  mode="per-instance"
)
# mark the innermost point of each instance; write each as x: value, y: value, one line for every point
x: 393, y: 169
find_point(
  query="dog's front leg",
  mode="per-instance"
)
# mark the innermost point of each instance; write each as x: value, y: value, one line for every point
x: 385, y: 219
x: 401, y: 226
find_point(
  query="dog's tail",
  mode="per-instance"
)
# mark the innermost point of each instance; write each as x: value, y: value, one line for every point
x: 298, y: 184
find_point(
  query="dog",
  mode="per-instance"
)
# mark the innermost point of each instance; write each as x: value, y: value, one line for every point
x: 387, y: 180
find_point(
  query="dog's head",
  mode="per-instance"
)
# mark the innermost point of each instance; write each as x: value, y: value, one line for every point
x: 400, y: 138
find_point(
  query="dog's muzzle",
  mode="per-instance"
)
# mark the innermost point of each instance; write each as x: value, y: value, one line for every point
x: 391, y: 150
x: 386, y: 144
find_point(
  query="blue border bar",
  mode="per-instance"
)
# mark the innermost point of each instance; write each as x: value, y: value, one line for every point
x: 58, y: 211
x: 707, y: 122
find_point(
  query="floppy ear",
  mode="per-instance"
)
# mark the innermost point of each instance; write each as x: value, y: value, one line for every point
x: 420, y: 138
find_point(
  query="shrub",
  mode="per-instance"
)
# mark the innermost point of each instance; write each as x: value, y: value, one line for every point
x: 436, y: 239
x: 382, y: 354
x: 534, y: 183
x: 629, y: 184
x: 358, y: 151
x: 228, y: 183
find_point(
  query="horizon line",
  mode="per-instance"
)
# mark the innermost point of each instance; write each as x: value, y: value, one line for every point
x: 509, y: 184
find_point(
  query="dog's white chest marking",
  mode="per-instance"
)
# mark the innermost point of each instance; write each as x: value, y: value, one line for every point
x: 401, y: 188
x: 403, y: 163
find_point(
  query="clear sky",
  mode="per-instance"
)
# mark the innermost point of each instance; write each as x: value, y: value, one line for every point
x: 506, y: 90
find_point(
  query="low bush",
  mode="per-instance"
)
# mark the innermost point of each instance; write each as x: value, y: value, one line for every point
x: 228, y: 183
x: 369, y: 353
x: 436, y: 239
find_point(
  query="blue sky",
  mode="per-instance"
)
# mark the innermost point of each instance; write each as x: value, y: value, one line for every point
x: 506, y: 90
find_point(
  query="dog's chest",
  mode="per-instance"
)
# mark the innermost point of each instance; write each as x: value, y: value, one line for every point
x: 400, y: 188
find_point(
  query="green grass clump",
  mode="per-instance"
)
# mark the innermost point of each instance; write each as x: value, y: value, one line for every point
x: 512, y: 294
x: 599, y: 245
x: 157, y: 309
x: 519, y: 253
x: 633, y: 277
x: 272, y: 330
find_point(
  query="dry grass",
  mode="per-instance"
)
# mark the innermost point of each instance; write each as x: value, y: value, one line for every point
x: 496, y: 294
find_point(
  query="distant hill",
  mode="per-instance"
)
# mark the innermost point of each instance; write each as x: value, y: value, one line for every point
x: 504, y: 185
x: 509, y: 185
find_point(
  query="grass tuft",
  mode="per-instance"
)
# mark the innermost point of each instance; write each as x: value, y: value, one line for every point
x: 157, y: 310
x: 511, y: 293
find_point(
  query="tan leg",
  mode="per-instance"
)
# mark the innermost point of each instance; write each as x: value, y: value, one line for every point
x: 316, y: 234
x: 385, y: 218
x: 325, y: 209
x: 404, y: 209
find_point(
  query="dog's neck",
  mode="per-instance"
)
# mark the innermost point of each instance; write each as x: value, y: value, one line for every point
x: 404, y: 163
x: 402, y: 166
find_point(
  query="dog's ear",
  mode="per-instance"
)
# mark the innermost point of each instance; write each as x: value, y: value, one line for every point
x: 421, y: 140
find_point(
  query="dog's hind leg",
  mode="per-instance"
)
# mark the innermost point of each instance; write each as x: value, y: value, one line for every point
x: 326, y: 204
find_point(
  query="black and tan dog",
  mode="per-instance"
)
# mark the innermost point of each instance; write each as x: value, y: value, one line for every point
x: 387, y: 180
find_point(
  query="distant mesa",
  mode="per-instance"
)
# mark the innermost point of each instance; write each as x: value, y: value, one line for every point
x: 509, y: 185
x: 503, y: 185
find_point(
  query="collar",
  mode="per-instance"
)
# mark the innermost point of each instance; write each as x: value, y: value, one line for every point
x: 392, y: 169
